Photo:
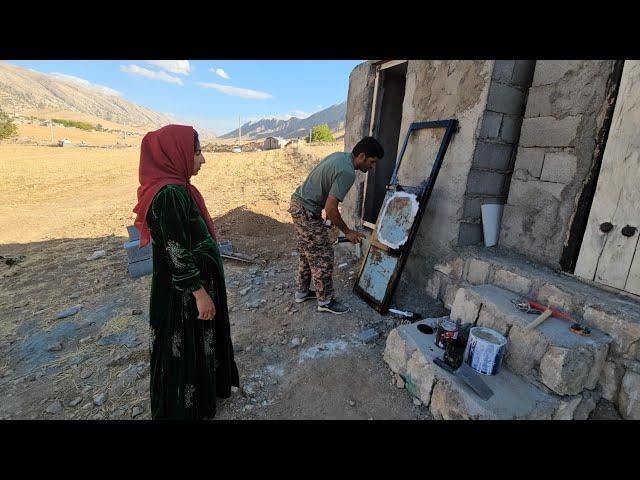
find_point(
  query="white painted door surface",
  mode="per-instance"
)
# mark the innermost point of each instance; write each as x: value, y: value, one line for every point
x: 613, y: 257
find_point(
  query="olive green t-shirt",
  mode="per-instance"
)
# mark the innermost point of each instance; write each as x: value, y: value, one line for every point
x: 332, y: 176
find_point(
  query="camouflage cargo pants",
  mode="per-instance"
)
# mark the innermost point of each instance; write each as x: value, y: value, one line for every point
x: 316, y: 252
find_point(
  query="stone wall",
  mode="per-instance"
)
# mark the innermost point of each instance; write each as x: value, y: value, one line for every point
x: 564, y: 116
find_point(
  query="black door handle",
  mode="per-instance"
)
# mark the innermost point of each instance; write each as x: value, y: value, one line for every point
x: 629, y: 231
x: 606, y: 227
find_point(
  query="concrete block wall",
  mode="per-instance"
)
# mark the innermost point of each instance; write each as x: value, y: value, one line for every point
x: 564, y: 114
x: 497, y: 138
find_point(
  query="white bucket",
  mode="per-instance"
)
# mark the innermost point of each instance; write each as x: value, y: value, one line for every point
x: 485, y: 350
x: 491, y: 217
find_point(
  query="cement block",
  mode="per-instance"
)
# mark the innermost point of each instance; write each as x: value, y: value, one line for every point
x: 534, y: 193
x: 549, y: 131
x: 397, y: 352
x: 565, y: 370
x: 629, y: 398
x: 539, y: 101
x: 511, y: 281
x: 559, y: 167
x: 133, y: 233
x: 487, y: 183
x: 477, y: 271
x: 487, y: 318
x: 625, y: 331
x: 523, y: 73
x: 491, y: 122
x: 525, y: 350
x: 421, y: 376
x: 495, y: 156
x: 141, y: 268
x: 531, y: 160
x: 470, y: 234
x: 599, y: 359
x: 610, y: 379
x: 503, y: 70
x: 505, y: 99
x: 449, y: 296
x: 472, y: 205
x: 510, y: 131
x: 551, y: 71
x: 137, y: 254
x: 465, y: 307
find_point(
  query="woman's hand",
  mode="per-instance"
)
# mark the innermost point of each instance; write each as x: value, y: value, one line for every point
x: 206, y: 308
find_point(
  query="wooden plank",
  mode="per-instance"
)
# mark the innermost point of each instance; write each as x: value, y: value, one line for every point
x: 607, y: 257
x: 391, y: 63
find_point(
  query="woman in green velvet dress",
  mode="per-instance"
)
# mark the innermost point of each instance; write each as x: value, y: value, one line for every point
x: 192, y: 359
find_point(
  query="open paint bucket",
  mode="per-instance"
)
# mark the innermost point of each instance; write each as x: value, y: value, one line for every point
x: 485, y: 350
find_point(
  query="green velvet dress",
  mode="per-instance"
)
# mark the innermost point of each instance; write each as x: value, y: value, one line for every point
x: 192, y: 360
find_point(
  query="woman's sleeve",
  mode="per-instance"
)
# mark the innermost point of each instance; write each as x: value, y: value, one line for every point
x: 171, y: 208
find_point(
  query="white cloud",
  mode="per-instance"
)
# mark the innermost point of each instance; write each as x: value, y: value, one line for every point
x: 220, y: 72
x: 236, y: 91
x: 84, y: 83
x: 152, y: 74
x: 183, y: 67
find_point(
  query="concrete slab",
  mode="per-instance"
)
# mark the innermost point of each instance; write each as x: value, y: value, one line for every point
x: 450, y: 398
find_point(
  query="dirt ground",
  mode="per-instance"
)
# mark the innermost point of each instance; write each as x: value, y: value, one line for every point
x: 59, y: 205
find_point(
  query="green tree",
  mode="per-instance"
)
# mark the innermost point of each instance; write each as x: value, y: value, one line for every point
x: 322, y: 133
x: 7, y: 127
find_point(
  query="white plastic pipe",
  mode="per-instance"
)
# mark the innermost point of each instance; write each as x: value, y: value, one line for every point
x: 491, y: 218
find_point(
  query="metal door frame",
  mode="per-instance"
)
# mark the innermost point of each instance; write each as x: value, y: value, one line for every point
x: 423, y: 193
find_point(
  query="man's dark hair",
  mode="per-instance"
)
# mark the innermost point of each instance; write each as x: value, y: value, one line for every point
x: 370, y: 146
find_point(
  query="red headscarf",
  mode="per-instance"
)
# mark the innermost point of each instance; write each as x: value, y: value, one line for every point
x: 166, y: 158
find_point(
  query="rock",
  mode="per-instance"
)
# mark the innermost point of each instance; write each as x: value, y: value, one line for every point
x: 254, y: 304
x: 278, y: 286
x: 69, y: 312
x: 234, y: 389
x: 368, y: 336
x: 86, y: 389
x: 54, y: 347
x: 55, y: 408
x: 258, y: 281
x: 98, y: 400
x: 97, y: 254
x: 136, y: 411
x: 247, y: 407
x: 136, y: 312
x: 304, y: 340
x: 295, y: 342
x: 74, y: 295
x: 294, y: 254
x: 86, y: 374
x: 87, y: 406
x: 234, y: 284
x: 564, y: 370
x: 587, y: 406
x: 244, y: 291
x: 343, y: 265
x: 86, y: 339
x: 610, y: 379
x: 352, y: 403
x: 629, y: 397
x: 417, y: 402
x: 75, y: 402
x: 399, y: 381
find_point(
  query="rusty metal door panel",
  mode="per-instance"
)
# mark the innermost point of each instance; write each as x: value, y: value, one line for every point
x: 401, y: 213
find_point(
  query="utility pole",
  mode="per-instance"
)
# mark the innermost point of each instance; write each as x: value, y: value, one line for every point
x: 51, y: 126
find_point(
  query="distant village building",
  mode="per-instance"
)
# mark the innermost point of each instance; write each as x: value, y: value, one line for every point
x: 65, y: 143
x: 271, y: 143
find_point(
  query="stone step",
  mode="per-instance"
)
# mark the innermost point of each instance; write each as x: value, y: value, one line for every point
x: 410, y: 353
x: 551, y: 354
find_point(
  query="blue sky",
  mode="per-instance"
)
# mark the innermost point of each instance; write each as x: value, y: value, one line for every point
x: 213, y: 93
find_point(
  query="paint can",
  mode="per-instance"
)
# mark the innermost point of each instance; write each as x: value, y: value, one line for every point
x: 446, y: 329
x: 485, y: 350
